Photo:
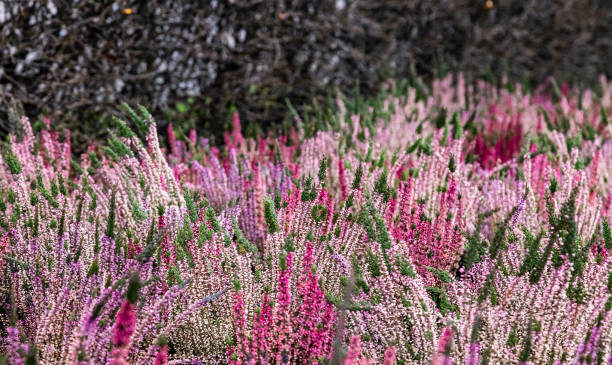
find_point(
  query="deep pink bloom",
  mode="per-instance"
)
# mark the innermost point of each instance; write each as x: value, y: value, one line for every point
x: 162, y: 356
x: 125, y: 323
x: 342, y: 178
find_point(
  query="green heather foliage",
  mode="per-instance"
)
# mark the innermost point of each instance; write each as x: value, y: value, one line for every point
x: 12, y: 162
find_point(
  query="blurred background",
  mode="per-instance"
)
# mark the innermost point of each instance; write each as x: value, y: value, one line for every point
x: 192, y: 62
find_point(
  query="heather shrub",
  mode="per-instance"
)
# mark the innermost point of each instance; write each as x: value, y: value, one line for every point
x: 447, y: 223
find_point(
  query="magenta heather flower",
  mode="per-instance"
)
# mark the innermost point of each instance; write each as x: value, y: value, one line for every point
x: 124, y: 325
x: 241, y: 347
x: 444, y: 348
x: 342, y: 179
x: 162, y: 356
x: 260, y: 347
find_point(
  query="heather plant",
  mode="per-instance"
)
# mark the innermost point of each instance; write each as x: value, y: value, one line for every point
x: 443, y: 223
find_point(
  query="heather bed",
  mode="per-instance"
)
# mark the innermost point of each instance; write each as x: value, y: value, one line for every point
x: 448, y: 223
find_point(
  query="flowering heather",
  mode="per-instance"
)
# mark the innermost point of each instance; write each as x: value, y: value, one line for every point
x: 453, y: 223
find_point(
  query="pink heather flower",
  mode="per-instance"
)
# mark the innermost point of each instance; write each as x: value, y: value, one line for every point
x: 312, y: 341
x: 390, y: 354
x: 118, y: 356
x: 516, y: 215
x: 14, y: 346
x: 166, y: 247
x: 354, y: 351
x: 606, y: 205
x: 444, y: 343
x: 507, y: 142
x: 598, y: 249
x: 474, y: 358
x: 282, y: 319
x: 162, y: 356
x: 240, y: 327
x: 354, y: 356
x: 261, y: 328
x: 172, y: 140
x: 67, y: 154
x: 238, y: 139
x: 258, y: 194
x: 125, y: 323
x: 162, y: 183
x: 594, y: 177
x: 586, y: 353
x: 192, y: 136
x: 442, y: 360
x: 5, y: 247
x: 390, y: 213
x: 342, y: 178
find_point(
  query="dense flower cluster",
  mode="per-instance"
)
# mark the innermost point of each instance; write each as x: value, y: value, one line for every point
x: 450, y: 224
